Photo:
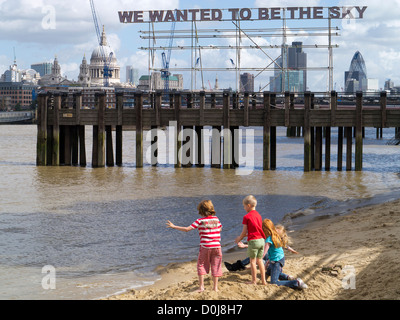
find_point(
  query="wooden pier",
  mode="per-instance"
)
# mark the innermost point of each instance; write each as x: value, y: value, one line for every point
x: 62, y: 119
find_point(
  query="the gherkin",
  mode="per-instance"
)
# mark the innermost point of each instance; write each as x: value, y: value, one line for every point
x: 356, y: 77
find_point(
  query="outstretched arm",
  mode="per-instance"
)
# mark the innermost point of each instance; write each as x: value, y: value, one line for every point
x: 184, y: 229
x: 292, y: 250
x: 242, y: 235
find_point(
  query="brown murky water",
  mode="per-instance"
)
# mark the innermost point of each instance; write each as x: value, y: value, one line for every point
x: 103, y: 230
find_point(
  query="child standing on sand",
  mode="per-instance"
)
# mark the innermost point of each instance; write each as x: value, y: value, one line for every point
x: 274, y: 245
x: 252, y: 227
x: 210, y: 255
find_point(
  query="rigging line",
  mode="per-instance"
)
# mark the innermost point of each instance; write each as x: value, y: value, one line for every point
x: 280, y: 67
x: 201, y: 61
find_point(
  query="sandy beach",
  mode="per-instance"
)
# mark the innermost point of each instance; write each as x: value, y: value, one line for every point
x: 355, y: 256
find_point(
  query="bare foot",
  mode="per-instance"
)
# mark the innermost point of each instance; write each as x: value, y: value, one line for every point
x: 200, y: 289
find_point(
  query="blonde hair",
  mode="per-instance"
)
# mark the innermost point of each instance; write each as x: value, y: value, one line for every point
x: 206, y: 208
x: 251, y: 200
x: 270, y: 231
x: 282, y: 233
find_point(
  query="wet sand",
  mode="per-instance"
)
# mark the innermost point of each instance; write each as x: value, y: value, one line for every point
x: 355, y: 256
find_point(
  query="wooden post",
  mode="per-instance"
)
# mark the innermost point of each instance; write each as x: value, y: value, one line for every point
x: 307, y: 132
x: 267, y: 131
x: 383, y: 103
x: 318, y: 148
x: 109, y: 147
x: 349, y: 144
x: 227, y: 147
x: 55, y: 158
x: 101, y: 134
x: 41, y: 144
x: 273, y: 136
x: 199, y: 132
x: 118, y: 128
x: 312, y: 134
x: 359, y: 132
x: 139, y: 129
x: 287, y: 113
x: 177, y: 107
x: 327, y: 148
x: 75, y: 129
x: 340, y: 149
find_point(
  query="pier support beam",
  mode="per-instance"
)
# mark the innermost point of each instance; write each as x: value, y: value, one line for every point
x: 359, y: 133
x: 307, y: 132
x: 41, y: 144
x: 267, y: 131
x: 227, y: 147
x: 98, y: 150
x: 139, y: 129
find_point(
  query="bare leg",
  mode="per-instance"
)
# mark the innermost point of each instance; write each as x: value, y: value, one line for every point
x: 201, y: 283
x: 261, y: 267
x: 215, y: 279
x: 253, y: 267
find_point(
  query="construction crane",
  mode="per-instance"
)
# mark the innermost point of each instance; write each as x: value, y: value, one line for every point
x: 167, y: 56
x: 107, y: 72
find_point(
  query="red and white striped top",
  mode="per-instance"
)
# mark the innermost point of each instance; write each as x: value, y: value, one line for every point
x: 209, y: 231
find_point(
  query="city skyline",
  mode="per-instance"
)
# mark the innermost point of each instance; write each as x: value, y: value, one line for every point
x: 41, y: 30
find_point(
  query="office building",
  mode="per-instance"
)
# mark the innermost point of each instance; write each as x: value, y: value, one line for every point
x: 357, y: 72
x: 42, y: 68
x: 132, y: 75
x: 290, y: 70
x: 247, y: 82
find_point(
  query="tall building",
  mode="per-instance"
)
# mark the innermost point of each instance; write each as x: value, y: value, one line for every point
x: 132, y: 75
x: 291, y: 73
x: 97, y: 63
x: 43, y: 68
x: 357, y: 73
x: 247, y: 82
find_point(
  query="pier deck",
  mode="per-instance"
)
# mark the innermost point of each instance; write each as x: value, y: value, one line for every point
x: 61, y: 124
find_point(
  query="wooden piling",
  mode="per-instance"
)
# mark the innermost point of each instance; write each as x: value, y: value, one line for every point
x: 199, y: 131
x: 55, y: 158
x: 139, y: 129
x: 178, y: 142
x: 349, y: 145
x: 227, y: 146
x: 359, y: 132
x: 307, y: 132
x: 273, y: 136
x: 118, y: 128
x: 41, y: 144
x: 266, y: 131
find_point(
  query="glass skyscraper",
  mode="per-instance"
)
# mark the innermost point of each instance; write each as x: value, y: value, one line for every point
x: 356, y: 78
x: 293, y: 68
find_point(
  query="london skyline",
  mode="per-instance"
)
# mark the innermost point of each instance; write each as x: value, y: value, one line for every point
x: 41, y: 30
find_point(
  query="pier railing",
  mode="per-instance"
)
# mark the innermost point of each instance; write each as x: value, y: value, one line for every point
x: 62, y: 119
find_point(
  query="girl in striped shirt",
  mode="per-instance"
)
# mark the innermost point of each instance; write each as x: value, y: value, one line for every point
x: 210, y: 254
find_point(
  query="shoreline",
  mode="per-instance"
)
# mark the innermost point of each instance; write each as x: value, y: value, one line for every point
x: 341, y: 257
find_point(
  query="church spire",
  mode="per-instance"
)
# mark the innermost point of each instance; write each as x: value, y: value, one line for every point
x: 103, y: 40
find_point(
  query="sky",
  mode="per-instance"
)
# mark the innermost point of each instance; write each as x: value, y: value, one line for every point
x: 39, y: 30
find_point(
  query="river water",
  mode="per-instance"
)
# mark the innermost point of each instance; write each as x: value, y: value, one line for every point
x: 100, y: 231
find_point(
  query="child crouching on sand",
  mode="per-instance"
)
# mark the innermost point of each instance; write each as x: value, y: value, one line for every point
x: 274, y: 246
x: 210, y: 255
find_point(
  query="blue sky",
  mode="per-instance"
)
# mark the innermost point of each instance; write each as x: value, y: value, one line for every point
x: 42, y: 29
